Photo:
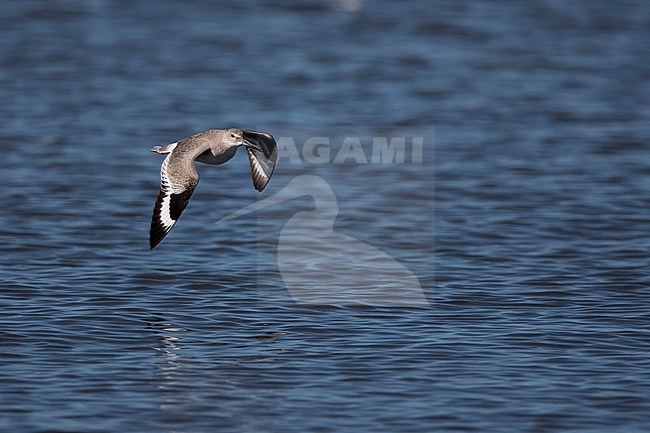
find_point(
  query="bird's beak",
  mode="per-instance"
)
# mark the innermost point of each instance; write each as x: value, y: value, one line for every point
x: 253, y: 146
x: 261, y: 143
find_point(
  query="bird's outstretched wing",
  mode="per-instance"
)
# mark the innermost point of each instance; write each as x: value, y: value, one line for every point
x: 172, y: 200
x: 262, y: 157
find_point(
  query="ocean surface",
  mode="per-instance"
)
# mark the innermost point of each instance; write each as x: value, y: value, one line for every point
x: 521, y: 231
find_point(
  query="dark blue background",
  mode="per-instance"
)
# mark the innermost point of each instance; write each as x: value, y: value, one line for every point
x: 538, y: 276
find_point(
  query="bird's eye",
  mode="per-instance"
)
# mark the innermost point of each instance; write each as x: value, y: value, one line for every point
x: 232, y: 135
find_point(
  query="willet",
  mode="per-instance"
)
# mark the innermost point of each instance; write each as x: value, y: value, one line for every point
x: 178, y: 175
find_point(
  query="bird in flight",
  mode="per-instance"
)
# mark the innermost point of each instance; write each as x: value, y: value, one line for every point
x: 178, y: 175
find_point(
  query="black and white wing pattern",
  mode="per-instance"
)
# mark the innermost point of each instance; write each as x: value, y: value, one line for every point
x: 262, y: 161
x: 172, y: 200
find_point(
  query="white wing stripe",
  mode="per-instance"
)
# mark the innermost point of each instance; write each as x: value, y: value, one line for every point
x: 165, y: 213
x: 260, y: 179
x: 167, y: 189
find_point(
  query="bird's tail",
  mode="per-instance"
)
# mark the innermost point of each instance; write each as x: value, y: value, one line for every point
x: 164, y: 149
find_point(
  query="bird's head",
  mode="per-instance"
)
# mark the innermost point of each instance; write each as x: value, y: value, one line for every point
x: 233, y: 137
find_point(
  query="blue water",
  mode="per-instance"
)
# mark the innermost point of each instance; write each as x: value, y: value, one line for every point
x: 526, y: 224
